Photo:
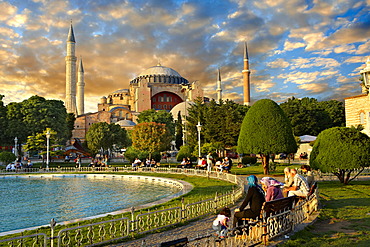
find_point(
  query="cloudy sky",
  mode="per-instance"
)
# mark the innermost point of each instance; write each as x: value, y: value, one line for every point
x: 300, y: 48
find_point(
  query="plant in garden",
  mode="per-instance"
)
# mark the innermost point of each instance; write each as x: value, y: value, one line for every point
x: 102, y: 136
x: 179, y: 133
x: 251, y: 160
x: 7, y: 157
x: 184, y: 152
x: 341, y: 151
x: 161, y: 116
x: 266, y: 130
x: 34, y: 115
x: 150, y: 137
x: 38, y: 143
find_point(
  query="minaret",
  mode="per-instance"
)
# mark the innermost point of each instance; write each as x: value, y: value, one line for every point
x: 80, y: 89
x: 70, y: 101
x: 219, y: 90
x: 246, y: 77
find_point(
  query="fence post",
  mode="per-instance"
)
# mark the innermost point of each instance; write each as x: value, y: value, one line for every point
x: 215, y: 207
x: 52, y: 225
x: 133, y: 227
x: 183, y: 213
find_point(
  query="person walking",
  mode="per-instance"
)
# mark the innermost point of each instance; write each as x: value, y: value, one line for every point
x: 209, y: 162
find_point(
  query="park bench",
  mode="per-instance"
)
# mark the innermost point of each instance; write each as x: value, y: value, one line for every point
x: 251, y: 228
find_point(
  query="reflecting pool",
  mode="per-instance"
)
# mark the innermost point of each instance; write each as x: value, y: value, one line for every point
x: 33, y: 201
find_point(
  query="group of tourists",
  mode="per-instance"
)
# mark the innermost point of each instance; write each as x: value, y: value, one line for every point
x: 95, y: 162
x: 148, y: 163
x: 267, y: 189
x: 207, y: 163
x: 18, y: 165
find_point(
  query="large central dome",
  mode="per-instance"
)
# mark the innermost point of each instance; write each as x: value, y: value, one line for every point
x: 159, y: 70
x: 160, y: 74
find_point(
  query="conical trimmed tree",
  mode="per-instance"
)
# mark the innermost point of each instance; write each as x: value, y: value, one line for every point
x: 266, y: 130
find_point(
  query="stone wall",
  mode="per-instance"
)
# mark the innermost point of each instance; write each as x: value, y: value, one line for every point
x: 357, y: 110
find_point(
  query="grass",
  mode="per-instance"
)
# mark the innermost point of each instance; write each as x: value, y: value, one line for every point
x: 344, y: 219
x: 203, y: 189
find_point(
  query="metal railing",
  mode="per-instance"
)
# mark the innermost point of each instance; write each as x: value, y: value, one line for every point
x: 261, y: 231
x: 138, y: 223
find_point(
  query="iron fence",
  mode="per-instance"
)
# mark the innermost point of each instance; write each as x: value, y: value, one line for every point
x: 139, y: 223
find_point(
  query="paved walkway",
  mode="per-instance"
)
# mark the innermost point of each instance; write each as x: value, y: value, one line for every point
x: 191, y: 231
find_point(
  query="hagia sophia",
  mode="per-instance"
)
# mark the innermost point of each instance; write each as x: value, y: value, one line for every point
x: 158, y: 87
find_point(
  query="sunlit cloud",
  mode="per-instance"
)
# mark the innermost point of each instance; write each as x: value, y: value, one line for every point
x: 294, y: 46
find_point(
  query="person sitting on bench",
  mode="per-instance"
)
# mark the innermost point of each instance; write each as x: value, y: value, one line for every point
x: 300, y: 185
x: 272, y: 188
x: 255, y: 198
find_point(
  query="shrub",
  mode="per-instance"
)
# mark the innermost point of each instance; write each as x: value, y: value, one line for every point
x: 7, y: 157
x: 249, y: 160
x: 184, y: 152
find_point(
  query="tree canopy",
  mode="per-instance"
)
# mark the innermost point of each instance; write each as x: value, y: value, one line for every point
x: 220, y: 122
x: 3, y: 120
x: 160, y: 116
x: 102, y: 136
x: 341, y: 150
x: 309, y: 116
x: 33, y: 116
x: 179, y: 132
x: 7, y: 157
x: 266, y: 130
x: 150, y: 137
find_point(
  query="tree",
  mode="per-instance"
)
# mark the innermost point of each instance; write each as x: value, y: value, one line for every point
x: 335, y: 110
x: 184, y: 152
x: 3, y: 121
x: 7, y: 157
x: 38, y: 143
x: 101, y: 137
x: 266, y: 130
x: 179, y: 133
x: 150, y: 137
x: 220, y: 122
x: 341, y: 151
x: 34, y: 115
x: 70, y: 124
x: 160, y: 116
x: 309, y: 117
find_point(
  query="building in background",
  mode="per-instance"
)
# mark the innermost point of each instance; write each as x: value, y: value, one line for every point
x: 357, y: 107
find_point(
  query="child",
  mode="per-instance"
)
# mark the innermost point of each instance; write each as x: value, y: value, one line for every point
x: 220, y: 223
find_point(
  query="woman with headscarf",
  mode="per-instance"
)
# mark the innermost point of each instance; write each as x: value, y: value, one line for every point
x: 255, y: 198
x: 272, y: 189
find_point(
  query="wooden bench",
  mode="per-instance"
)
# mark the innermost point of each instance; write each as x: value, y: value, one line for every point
x: 276, y: 206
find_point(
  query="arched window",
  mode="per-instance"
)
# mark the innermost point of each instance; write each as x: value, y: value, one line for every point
x: 362, y: 118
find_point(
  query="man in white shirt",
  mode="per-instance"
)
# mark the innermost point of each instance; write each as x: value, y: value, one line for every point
x: 300, y: 185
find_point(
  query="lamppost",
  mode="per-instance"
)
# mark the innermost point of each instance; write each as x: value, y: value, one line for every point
x: 199, y: 128
x: 47, y: 148
x: 15, y: 148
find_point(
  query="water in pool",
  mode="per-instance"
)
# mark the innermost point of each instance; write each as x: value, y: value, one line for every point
x: 28, y: 202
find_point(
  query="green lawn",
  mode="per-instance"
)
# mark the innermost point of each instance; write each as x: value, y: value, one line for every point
x: 344, y: 218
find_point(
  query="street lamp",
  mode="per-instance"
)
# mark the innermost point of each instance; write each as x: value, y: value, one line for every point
x: 47, y: 148
x: 366, y: 73
x: 199, y: 128
x: 15, y: 148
